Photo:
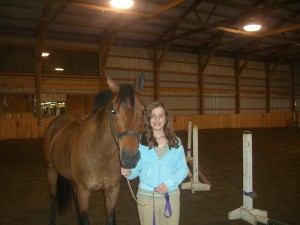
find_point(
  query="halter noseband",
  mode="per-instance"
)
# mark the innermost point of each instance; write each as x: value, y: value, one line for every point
x: 117, y: 136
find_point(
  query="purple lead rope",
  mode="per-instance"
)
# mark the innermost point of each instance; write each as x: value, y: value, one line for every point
x: 168, y: 210
x: 168, y: 206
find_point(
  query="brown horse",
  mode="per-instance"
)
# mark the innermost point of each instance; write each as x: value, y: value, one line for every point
x: 83, y: 153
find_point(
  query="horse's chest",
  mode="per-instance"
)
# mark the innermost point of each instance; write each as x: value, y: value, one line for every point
x: 99, y: 175
x: 102, y: 182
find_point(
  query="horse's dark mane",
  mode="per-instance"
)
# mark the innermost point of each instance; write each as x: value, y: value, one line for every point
x: 126, y: 92
x: 103, y: 97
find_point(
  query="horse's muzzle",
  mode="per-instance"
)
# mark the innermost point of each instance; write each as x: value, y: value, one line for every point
x: 129, y: 161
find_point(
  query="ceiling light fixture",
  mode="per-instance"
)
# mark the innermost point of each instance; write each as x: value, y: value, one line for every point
x: 45, y: 54
x: 252, y: 24
x: 252, y: 27
x: 59, y: 69
x: 121, y: 4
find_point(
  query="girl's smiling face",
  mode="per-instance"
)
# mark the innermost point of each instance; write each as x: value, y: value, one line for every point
x: 158, y: 118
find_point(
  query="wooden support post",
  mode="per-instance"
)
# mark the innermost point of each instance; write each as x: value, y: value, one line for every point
x: 201, y: 85
x: 246, y: 212
x: 156, y: 79
x: 237, y: 74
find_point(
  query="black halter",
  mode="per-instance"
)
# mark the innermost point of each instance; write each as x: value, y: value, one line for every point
x: 117, y: 136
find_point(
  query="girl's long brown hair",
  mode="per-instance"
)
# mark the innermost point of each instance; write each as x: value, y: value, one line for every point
x: 148, y: 138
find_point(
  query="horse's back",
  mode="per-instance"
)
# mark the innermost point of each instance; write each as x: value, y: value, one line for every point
x: 58, y: 135
x: 60, y: 121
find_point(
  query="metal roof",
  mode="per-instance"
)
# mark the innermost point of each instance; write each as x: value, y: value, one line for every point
x: 208, y: 26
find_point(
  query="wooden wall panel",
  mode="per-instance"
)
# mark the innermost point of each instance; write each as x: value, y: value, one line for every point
x: 234, y: 121
x: 7, y: 129
x: 22, y: 128
x: 82, y: 104
x: 11, y: 103
x: 77, y: 84
x: 17, y: 82
x: 28, y: 127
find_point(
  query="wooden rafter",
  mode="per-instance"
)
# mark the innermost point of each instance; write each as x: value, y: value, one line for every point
x: 268, y: 11
x: 279, y: 24
x: 172, y: 30
x: 111, y: 38
x: 148, y: 29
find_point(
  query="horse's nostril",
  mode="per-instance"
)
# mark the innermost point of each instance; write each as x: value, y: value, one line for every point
x: 128, y: 160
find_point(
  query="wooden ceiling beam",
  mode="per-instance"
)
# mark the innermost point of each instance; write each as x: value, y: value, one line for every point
x: 111, y: 39
x: 172, y: 31
x: 211, y: 13
x: 220, y: 34
x: 247, y: 33
x: 180, y: 36
x: 260, y: 34
x: 268, y: 12
x: 279, y: 24
x: 220, y: 24
x: 197, y: 40
x: 169, y: 36
x: 166, y: 6
x: 281, y: 30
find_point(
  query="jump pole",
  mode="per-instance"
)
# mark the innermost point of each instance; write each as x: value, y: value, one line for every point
x: 247, y: 212
x: 194, y: 184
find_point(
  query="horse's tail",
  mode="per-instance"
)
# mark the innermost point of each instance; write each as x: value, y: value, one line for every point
x: 64, y: 194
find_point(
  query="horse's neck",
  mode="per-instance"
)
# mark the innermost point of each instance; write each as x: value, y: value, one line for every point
x: 101, y: 127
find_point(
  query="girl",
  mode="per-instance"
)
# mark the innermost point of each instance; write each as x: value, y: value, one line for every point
x: 161, y: 169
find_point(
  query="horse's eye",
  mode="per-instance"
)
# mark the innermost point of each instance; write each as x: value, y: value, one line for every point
x: 144, y: 112
x: 113, y: 111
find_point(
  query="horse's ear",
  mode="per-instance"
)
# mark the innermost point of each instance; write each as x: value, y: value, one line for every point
x: 140, y: 82
x: 112, y: 85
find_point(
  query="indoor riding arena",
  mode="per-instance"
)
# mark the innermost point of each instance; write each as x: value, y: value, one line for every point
x: 233, y: 96
x: 276, y: 153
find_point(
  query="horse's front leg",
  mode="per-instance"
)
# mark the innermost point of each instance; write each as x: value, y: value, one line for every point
x: 83, y: 197
x: 111, y: 197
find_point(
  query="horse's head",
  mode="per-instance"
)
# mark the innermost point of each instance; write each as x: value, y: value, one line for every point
x: 126, y: 119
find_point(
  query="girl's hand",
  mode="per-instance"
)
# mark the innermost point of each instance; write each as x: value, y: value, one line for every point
x: 125, y: 172
x: 162, y: 189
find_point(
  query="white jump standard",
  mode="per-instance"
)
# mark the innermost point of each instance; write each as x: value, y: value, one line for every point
x: 246, y: 212
x: 194, y: 184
